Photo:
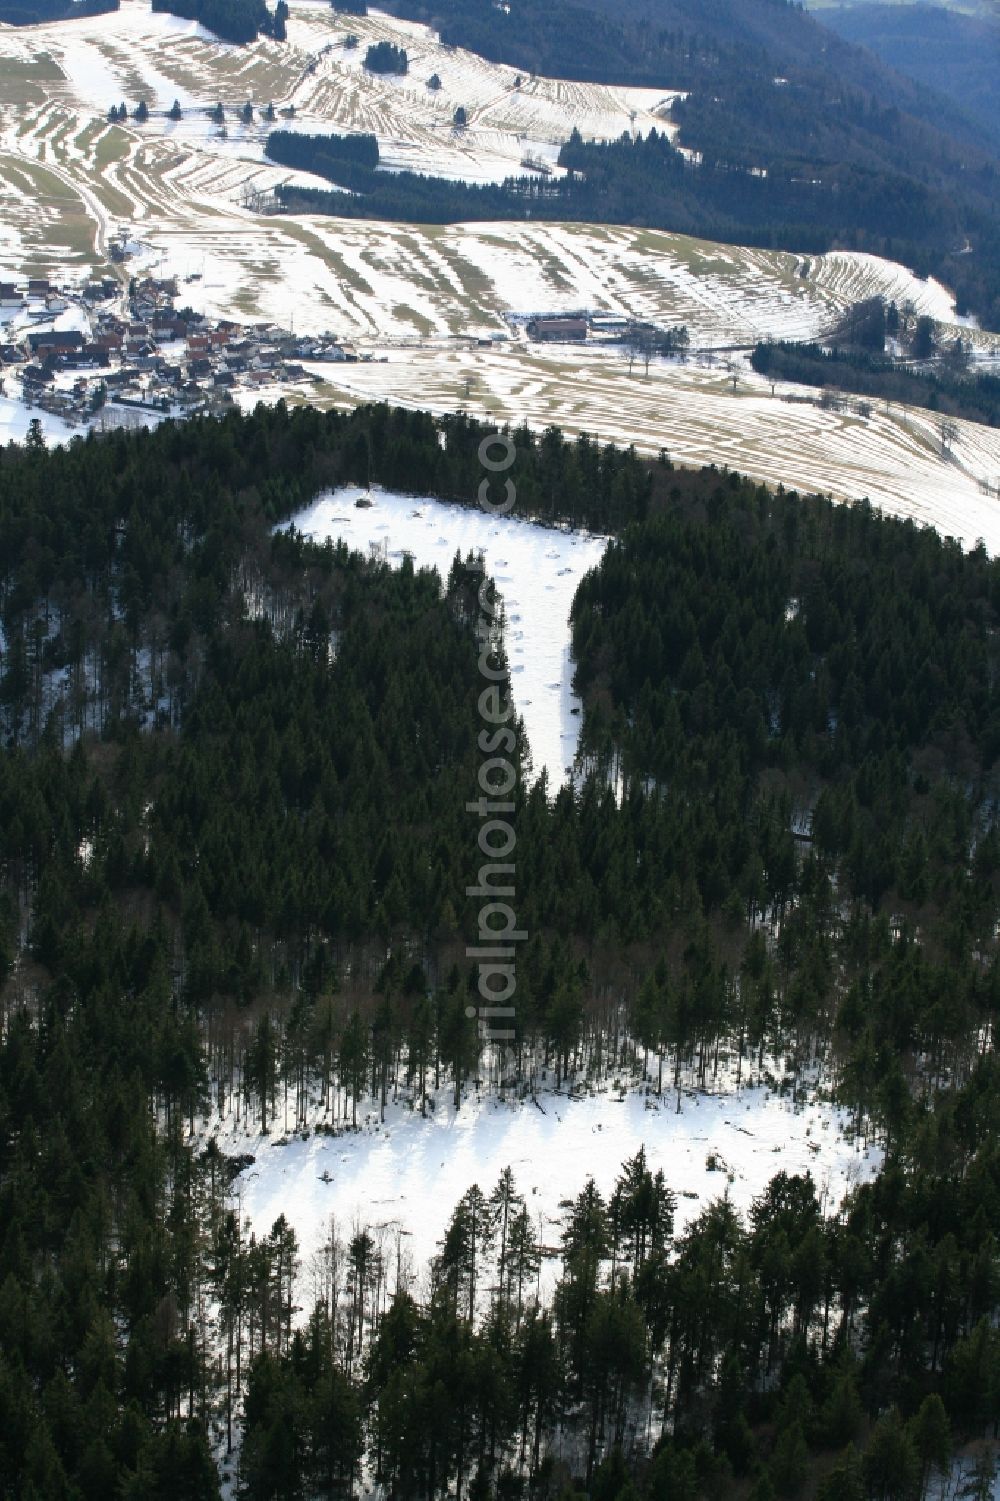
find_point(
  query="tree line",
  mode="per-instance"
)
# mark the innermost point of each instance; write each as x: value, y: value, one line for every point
x: 974, y: 396
x: 37, y: 12
x: 349, y: 160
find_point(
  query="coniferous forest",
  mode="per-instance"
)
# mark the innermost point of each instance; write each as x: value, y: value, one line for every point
x: 234, y: 857
x: 958, y: 392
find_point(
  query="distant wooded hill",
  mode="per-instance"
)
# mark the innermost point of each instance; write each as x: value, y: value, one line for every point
x: 943, y: 50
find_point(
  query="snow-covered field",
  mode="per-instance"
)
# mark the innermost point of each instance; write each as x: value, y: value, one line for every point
x: 537, y: 569
x: 69, y: 179
x: 893, y: 456
x: 407, y: 1175
x: 14, y: 419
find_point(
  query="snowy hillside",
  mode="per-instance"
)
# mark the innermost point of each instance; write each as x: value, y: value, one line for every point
x: 893, y: 456
x: 427, y: 298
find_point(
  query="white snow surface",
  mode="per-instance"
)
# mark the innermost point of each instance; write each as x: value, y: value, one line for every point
x: 407, y: 1175
x: 536, y: 568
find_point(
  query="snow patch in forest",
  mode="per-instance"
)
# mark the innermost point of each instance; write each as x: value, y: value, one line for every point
x: 407, y: 1175
x: 536, y: 568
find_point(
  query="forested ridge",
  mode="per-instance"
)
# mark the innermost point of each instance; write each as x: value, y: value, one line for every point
x: 233, y: 865
x: 941, y: 48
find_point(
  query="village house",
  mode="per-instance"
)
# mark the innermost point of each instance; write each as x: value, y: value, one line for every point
x: 219, y: 356
x: 70, y: 359
x: 100, y: 291
x: 107, y: 323
x: 119, y: 379
x: 56, y: 341
x: 167, y: 326
x: 557, y: 330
